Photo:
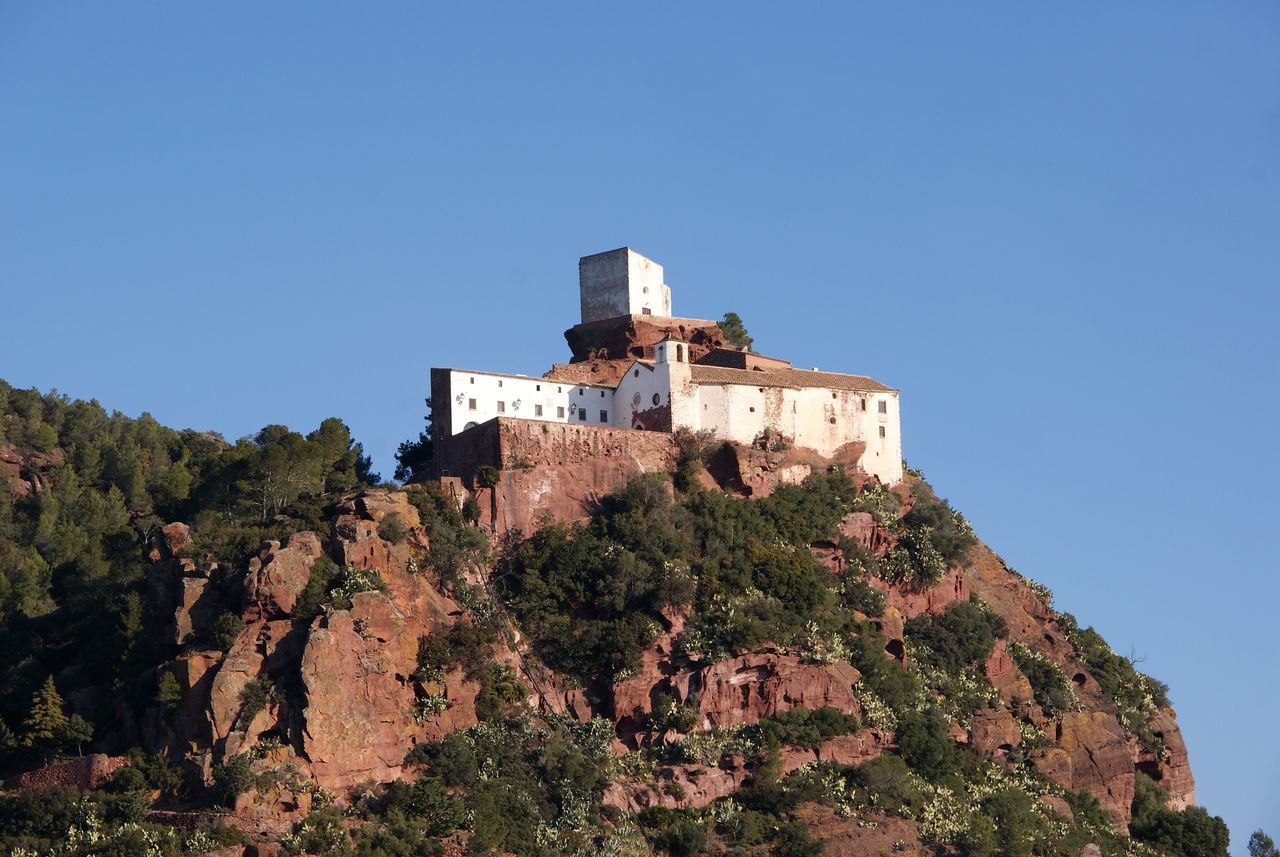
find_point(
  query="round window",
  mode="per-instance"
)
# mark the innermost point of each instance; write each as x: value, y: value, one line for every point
x: 656, y: 398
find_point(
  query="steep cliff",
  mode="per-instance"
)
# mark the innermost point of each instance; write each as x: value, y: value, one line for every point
x: 616, y: 651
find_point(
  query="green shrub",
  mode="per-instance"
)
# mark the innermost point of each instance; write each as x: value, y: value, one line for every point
x: 1049, y: 684
x: 225, y: 629
x: 804, y: 727
x: 679, y: 833
x: 392, y: 528
x: 253, y: 698
x: 947, y: 530
x: 231, y: 779
x: 963, y: 635
x: 1189, y: 833
x: 488, y: 476
x: 925, y: 744
x: 888, y: 779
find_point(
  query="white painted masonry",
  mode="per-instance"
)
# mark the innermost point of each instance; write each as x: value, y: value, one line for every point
x: 621, y: 282
x: 822, y: 411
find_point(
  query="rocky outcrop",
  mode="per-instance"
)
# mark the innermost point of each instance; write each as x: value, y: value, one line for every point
x: 278, y: 575
x: 1092, y: 753
x: 994, y: 732
x: 357, y: 541
x: 361, y: 698
x: 952, y: 587
x: 629, y: 337
x: 1005, y: 676
x: 742, y: 690
x: 1172, y: 769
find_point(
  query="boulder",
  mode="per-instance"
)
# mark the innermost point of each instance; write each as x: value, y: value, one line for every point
x: 278, y: 575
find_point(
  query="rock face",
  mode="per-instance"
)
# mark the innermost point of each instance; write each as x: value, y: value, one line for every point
x: 346, y: 704
x: 628, y: 337
x: 742, y: 690
x: 1092, y: 750
x: 1092, y: 753
x: 360, y: 698
x: 278, y: 575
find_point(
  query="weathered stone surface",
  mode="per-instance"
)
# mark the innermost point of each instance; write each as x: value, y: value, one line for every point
x: 863, y: 529
x: 84, y: 773
x: 993, y: 731
x: 856, y: 837
x: 1005, y: 676
x: 241, y: 665
x: 275, y: 581
x: 951, y: 588
x: 1092, y: 753
x: 360, y: 696
x: 691, y: 786
x: 628, y: 337
x: 741, y: 690
x: 1173, y: 772
x: 359, y: 518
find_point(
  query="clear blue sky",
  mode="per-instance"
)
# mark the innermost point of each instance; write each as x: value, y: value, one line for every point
x: 1056, y: 227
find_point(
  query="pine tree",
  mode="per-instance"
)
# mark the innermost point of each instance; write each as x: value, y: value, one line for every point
x: 168, y: 693
x: 735, y: 332
x: 77, y: 731
x: 46, y: 723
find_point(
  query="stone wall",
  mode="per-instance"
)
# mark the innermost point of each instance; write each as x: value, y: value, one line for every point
x: 525, y: 444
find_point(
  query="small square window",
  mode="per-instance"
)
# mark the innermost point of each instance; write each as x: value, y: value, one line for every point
x: 499, y: 382
x: 581, y: 392
x: 502, y: 407
x: 582, y: 415
x: 559, y: 390
x: 537, y: 410
x: 864, y: 404
x: 604, y: 416
x: 882, y: 431
x: 537, y: 387
x: 471, y: 404
x: 560, y: 413
x: 883, y: 406
x: 473, y: 380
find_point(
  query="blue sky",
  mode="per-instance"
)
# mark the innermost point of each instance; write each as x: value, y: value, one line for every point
x: 1054, y: 227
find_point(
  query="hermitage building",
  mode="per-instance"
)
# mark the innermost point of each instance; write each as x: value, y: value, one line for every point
x: 685, y: 379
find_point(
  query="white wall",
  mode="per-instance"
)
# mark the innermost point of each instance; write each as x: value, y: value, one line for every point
x: 815, y: 418
x: 621, y: 282
x: 636, y: 392
x: 475, y: 397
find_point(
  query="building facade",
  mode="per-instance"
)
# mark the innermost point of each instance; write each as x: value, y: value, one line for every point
x: 739, y: 396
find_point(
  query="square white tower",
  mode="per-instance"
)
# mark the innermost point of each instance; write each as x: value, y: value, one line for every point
x: 621, y: 282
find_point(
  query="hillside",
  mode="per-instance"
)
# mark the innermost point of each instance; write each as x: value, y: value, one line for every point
x: 256, y: 648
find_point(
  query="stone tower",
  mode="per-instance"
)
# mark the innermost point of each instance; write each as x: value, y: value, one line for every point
x: 619, y: 283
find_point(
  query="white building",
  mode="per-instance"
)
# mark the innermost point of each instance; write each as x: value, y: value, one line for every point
x: 822, y: 411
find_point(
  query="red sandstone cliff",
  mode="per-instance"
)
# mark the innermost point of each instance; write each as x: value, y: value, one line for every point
x: 347, y: 706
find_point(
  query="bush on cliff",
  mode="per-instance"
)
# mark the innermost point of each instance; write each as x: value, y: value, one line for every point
x: 961, y: 636
x: 1189, y: 833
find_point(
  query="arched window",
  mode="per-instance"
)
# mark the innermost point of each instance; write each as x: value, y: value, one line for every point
x: 679, y: 353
